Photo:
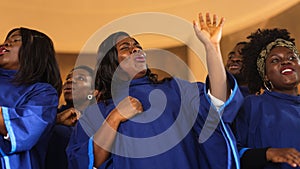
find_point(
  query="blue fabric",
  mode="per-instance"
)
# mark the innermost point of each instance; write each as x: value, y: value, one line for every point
x: 56, y: 155
x: 60, y: 136
x: 29, y: 112
x: 269, y: 120
x: 244, y: 90
x: 180, y: 125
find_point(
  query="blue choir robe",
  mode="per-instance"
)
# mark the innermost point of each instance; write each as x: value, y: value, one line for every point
x: 269, y: 120
x: 169, y: 134
x: 56, y: 157
x: 29, y: 112
x: 244, y: 90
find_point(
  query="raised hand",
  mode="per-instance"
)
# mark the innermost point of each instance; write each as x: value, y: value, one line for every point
x: 284, y: 155
x: 209, y: 32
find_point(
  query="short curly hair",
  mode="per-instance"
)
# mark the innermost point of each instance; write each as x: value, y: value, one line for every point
x: 257, y: 42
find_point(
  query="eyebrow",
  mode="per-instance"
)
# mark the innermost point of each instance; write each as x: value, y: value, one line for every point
x: 128, y: 43
x: 124, y: 43
x: 230, y: 53
x: 81, y: 74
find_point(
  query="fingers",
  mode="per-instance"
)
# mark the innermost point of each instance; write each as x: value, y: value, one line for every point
x: 68, y: 117
x: 284, y: 155
x: 201, y: 21
x: 295, y: 157
x: 215, y: 18
x: 221, y: 23
x: 128, y: 108
x: 208, y: 22
x: 136, y: 104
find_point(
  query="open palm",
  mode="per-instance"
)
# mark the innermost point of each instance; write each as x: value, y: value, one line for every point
x: 207, y: 31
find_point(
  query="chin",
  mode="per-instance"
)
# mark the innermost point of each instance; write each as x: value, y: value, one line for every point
x: 140, y: 74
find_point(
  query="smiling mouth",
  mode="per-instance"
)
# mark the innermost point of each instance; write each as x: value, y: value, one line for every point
x: 234, y: 67
x: 287, y: 71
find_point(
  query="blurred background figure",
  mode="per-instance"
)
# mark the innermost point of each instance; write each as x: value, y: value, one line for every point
x: 78, y: 92
x: 235, y: 66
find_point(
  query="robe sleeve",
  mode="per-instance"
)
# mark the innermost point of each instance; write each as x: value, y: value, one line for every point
x: 80, y: 148
x: 26, y: 122
x: 213, y: 125
x: 250, y: 157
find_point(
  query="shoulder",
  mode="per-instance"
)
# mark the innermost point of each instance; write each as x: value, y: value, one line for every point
x: 253, y: 99
x: 43, y: 88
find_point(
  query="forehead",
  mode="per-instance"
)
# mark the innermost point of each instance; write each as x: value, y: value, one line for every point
x: 281, y: 49
x: 125, y: 40
x: 14, y: 34
x: 239, y: 47
x: 79, y: 72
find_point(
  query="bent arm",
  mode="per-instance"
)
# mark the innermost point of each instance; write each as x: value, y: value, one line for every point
x: 210, y: 35
x: 105, y: 136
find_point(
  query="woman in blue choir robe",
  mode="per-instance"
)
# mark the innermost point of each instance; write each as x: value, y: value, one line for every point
x: 29, y: 82
x: 268, y: 124
x: 173, y: 123
x: 78, y: 94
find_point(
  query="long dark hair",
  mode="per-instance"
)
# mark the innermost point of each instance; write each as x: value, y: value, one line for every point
x: 37, y: 60
x: 107, y: 63
x: 258, y: 41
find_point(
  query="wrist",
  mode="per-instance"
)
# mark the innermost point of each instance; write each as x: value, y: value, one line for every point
x: 113, y: 119
x: 269, y: 154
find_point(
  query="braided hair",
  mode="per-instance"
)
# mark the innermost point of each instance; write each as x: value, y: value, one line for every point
x: 257, y: 42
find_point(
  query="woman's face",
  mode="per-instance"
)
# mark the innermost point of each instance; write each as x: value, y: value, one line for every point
x: 131, y: 57
x: 283, y: 69
x: 9, y: 51
x: 77, y: 86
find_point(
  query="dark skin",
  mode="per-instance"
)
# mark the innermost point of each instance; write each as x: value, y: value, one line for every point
x: 9, y: 60
x: 209, y: 33
x: 75, y: 89
x: 283, y: 70
x: 235, y: 60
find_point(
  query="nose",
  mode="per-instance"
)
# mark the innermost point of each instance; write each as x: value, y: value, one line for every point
x: 236, y: 61
x: 6, y: 44
x: 135, y: 50
x: 286, y: 62
x: 71, y: 80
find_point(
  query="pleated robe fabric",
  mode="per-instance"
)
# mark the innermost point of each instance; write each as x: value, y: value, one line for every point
x: 29, y: 112
x: 269, y: 120
x: 169, y: 134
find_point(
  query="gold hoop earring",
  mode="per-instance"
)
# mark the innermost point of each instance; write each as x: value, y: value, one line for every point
x: 268, y: 85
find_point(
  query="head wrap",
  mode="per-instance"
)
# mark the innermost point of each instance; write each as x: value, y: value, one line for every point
x: 261, y: 60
